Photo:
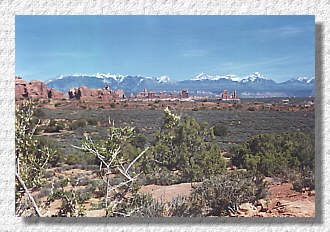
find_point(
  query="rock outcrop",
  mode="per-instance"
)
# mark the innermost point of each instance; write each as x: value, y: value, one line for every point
x: 106, y: 94
x: 56, y: 94
x: 38, y: 89
x: 33, y: 89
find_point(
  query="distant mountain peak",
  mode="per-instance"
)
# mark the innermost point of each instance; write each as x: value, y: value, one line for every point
x: 164, y: 79
x: 202, y: 76
x: 253, y: 77
x: 304, y: 79
x: 250, y: 78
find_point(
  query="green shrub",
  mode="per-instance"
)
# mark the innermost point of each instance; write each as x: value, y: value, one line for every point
x: 220, y: 130
x: 77, y: 124
x: 74, y: 158
x: 54, y: 126
x: 273, y: 155
x: 304, y: 181
x: 180, y: 207
x: 139, y: 140
x: 58, y: 155
x: 223, y: 194
x: 49, y: 174
x: 141, y: 205
x: 43, y: 192
x: 39, y: 113
x: 84, y: 181
x: 237, y: 106
x: 183, y: 145
x: 84, y: 194
x: 92, y: 121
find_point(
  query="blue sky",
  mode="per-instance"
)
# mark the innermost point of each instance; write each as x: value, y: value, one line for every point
x: 279, y: 47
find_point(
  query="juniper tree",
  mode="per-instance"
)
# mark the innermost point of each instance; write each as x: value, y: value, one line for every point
x: 184, y: 145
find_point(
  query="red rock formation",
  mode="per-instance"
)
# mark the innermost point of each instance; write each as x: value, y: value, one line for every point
x: 119, y: 93
x: 56, y: 94
x: 21, y: 88
x: 38, y: 89
x: 33, y: 89
x: 105, y: 94
x: 225, y: 95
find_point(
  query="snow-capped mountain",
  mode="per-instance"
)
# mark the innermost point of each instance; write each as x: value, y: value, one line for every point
x: 306, y: 80
x: 253, y: 85
x: 205, y: 76
x: 251, y: 78
x: 116, y: 81
x: 202, y: 76
x: 164, y: 79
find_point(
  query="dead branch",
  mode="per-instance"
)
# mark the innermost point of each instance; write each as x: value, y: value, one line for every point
x: 29, y: 195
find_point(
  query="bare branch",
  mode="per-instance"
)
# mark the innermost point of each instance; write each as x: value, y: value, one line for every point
x: 129, y: 166
x: 46, y: 161
x: 29, y: 195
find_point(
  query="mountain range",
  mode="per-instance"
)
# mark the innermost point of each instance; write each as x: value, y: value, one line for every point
x: 255, y: 85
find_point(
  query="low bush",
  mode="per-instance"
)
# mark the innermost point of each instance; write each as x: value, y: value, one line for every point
x: 84, y: 181
x: 251, y: 108
x: 77, y: 124
x: 49, y: 174
x: 220, y: 195
x: 84, y: 194
x: 92, y: 121
x: 39, y: 113
x: 139, y: 140
x: 220, y: 130
x: 141, y: 205
x: 304, y: 181
x: 54, y: 126
x: 45, y: 191
x: 58, y: 155
x: 273, y: 155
